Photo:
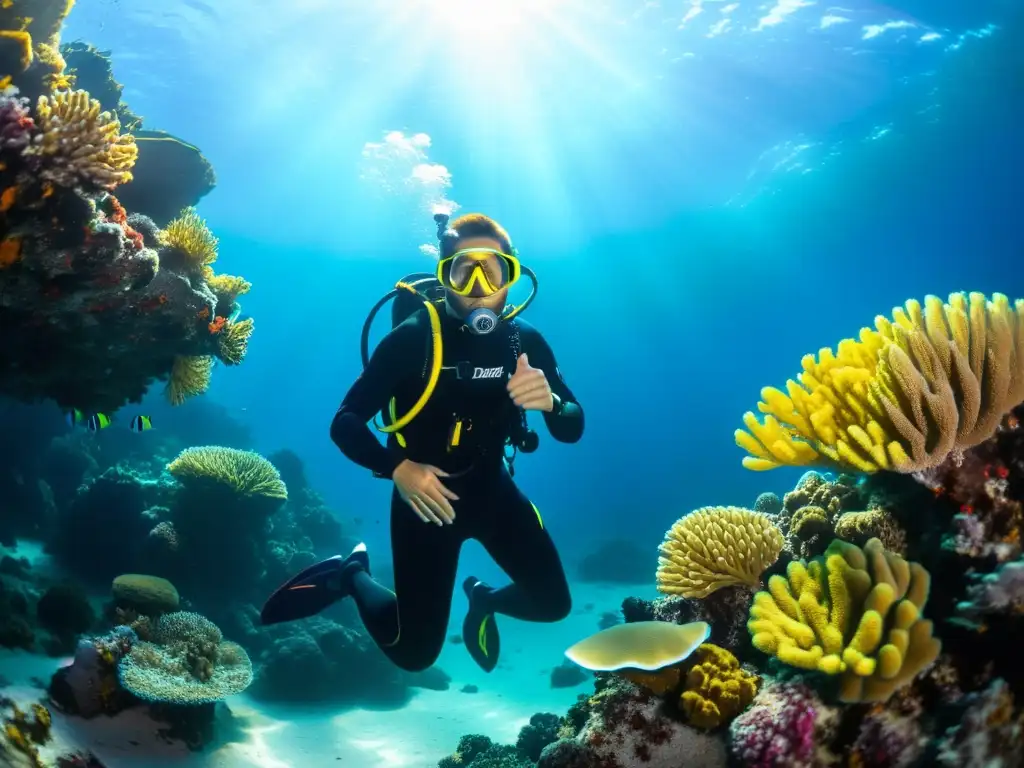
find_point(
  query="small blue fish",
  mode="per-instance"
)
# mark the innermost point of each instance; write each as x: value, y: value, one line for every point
x: 141, y: 423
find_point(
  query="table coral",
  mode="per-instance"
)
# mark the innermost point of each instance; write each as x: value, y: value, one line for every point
x: 934, y: 380
x: 188, y: 662
x: 854, y: 613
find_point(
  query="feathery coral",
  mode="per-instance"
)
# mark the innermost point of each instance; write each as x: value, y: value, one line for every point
x: 716, y: 689
x: 245, y: 472
x: 80, y: 144
x: 234, y: 341
x: 228, y: 287
x: 714, y: 547
x: 190, y: 376
x: 933, y: 380
x: 854, y: 612
x: 189, y: 234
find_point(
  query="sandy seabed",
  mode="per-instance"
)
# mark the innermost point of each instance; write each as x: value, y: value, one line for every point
x: 416, y: 735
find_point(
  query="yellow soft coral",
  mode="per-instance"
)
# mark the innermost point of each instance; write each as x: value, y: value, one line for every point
x: 234, y: 341
x: 80, y: 144
x: 245, y: 472
x: 932, y: 380
x: 833, y: 613
x: 190, y: 376
x: 227, y: 287
x: 715, y: 547
x: 716, y: 688
x: 189, y: 234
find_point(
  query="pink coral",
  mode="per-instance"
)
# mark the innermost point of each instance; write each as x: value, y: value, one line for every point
x: 785, y: 726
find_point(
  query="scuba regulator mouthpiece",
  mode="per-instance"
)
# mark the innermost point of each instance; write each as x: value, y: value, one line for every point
x: 481, y: 321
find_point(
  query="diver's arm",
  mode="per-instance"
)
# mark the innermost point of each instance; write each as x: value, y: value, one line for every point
x: 565, y: 421
x: 370, y: 394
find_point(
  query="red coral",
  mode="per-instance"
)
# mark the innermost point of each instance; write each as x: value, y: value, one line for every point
x: 120, y: 215
x: 218, y: 324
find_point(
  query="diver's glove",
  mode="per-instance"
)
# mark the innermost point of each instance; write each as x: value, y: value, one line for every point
x: 529, y: 388
x: 420, y: 488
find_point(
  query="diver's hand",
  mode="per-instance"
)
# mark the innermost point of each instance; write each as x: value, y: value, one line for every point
x: 529, y: 388
x: 419, y: 487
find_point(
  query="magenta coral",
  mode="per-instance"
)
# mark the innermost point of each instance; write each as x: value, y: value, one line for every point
x: 780, y: 728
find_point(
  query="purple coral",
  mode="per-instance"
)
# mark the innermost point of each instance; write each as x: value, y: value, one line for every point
x: 990, y: 732
x: 783, y: 727
x: 887, y: 740
x: 998, y: 592
x: 15, y: 123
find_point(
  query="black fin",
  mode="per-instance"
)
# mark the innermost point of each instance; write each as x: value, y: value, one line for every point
x: 480, y: 629
x: 306, y: 594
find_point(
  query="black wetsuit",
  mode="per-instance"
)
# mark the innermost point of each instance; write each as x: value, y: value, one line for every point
x: 410, y: 624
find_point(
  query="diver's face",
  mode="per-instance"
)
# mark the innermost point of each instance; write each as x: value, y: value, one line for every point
x: 461, y: 306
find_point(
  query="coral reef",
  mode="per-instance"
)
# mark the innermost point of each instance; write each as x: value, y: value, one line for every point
x: 990, y: 733
x: 934, y: 381
x: 93, y: 285
x: 320, y: 660
x: 833, y: 613
x: 186, y: 662
x: 77, y: 278
x: 715, y: 547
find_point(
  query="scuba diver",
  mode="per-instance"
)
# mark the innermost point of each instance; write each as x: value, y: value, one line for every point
x: 464, y: 370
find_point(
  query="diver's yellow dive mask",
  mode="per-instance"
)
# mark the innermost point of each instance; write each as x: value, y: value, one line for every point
x: 478, y: 272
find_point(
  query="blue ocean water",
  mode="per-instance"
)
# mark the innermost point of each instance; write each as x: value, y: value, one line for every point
x: 706, y: 190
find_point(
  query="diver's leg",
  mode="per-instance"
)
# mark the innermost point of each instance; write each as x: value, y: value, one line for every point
x: 515, y: 537
x: 410, y: 624
x: 519, y: 543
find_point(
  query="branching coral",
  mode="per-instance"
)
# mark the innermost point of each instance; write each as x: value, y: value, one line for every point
x: 192, y: 238
x: 714, y: 547
x: 187, y: 663
x: 190, y: 376
x: 246, y: 473
x: 234, y: 341
x: 833, y: 613
x: 934, y: 380
x: 80, y: 144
